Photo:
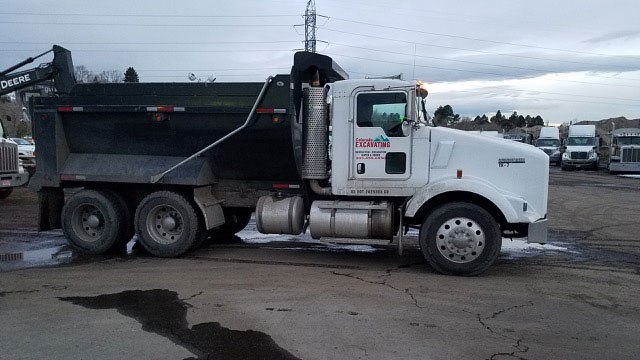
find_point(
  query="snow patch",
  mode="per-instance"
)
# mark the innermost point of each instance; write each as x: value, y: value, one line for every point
x: 520, y: 248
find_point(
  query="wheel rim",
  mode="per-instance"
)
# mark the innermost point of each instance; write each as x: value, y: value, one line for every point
x: 460, y: 240
x: 165, y: 224
x: 88, y: 222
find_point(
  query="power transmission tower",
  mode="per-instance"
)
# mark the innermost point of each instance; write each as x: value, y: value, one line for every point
x: 310, y: 27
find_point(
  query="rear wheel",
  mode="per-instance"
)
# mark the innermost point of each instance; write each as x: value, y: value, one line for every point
x: 235, y: 220
x: 460, y: 239
x: 95, y: 221
x: 4, y: 193
x: 167, y: 224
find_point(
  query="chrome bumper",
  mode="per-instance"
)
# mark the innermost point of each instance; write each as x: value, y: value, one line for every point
x: 13, y: 180
x: 537, y: 232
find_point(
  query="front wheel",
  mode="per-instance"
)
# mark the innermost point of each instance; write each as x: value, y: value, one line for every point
x: 460, y: 239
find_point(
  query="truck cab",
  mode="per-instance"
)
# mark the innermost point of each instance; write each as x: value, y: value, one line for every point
x: 12, y: 174
x: 582, y: 148
x: 549, y: 142
x: 624, y: 155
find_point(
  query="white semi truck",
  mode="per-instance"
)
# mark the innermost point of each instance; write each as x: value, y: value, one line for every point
x: 12, y: 174
x: 549, y: 142
x: 264, y: 148
x: 582, y: 149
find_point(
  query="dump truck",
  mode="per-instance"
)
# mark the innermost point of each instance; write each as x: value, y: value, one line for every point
x: 549, y: 142
x: 352, y: 161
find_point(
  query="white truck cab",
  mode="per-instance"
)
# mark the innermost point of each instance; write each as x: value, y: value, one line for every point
x: 549, y: 142
x: 582, y: 148
x: 463, y: 190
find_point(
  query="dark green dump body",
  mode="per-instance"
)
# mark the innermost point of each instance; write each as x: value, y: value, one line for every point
x: 124, y: 140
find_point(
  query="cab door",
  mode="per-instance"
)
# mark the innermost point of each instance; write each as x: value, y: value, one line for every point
x: 381, y: 140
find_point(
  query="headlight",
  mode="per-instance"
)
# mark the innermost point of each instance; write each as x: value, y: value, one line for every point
x: 565, y: 156
x: 592, y: 154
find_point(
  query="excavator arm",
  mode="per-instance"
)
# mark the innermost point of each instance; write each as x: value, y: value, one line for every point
x: 60, y: 70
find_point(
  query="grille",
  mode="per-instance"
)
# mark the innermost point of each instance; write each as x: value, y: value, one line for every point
x: 316, y: 129
x: 8, y: 158
x: 630, y: 155
x: 578, y: 155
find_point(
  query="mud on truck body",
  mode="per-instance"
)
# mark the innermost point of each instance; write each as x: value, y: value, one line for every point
x: 175, y: 162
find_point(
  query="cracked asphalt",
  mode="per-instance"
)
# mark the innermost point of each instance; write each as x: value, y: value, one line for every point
x: 290, y: 298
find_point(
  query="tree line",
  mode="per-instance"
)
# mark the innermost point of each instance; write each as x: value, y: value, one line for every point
x: 84, y: 75
x: 445, y: 116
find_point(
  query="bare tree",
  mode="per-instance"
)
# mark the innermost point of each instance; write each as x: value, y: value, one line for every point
x: 111, y: 76
x: 82, y: 74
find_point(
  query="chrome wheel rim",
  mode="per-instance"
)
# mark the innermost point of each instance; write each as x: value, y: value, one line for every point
x: 165, y: 224
x: 88, y: 222
x: 460, y: 240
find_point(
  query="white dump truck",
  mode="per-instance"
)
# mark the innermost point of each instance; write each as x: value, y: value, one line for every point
x: 624, y: 155
x: 582, y: 148
x: 549, y: 142
x: 264, y: 148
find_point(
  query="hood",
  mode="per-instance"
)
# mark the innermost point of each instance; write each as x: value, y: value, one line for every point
x: 517, y: 170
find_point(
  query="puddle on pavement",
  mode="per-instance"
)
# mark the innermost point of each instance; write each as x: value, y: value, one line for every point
x: 162, y: 312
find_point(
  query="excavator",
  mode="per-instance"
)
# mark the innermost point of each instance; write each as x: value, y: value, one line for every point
x: 60, y: 70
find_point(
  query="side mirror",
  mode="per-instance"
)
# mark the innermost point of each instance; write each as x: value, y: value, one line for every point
x: 406, y: 127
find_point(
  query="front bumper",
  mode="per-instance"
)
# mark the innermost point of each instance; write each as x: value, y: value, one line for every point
x: 537, y: 232
x: 579, y: 163
x: 555, y: 158
x: 13, y: 180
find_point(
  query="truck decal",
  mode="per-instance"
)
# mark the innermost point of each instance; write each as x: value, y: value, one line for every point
x: 504, y: 162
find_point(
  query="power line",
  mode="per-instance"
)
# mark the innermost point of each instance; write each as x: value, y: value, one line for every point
x: 478, y: 39
x: 145, y: 25
x: 473, y: 62
x: 153, y: 43
x: 152, y: 15
x: 475, y: 72
x: 473, y: 50
x: 159, y: 51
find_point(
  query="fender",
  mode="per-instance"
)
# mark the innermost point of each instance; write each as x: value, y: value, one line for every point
x: 507, y: 204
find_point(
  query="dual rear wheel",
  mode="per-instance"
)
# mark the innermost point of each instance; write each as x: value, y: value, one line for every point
x: 167, y: 223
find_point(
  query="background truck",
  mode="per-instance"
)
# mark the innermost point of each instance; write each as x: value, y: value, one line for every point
x: 175, y: 162
x: 582, y: 149
x: 624, y: 155
x: 12, y: 174
x: 549, y: 142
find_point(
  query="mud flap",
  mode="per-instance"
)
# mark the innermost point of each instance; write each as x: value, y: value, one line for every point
x: 50, y: 202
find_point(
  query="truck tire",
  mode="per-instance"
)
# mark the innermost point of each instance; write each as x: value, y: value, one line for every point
x: 236, y: 219
x: 95, y: 222
x: 168, y: 225
x: 127, y: 222
x: 460, y: 239
x: 4, y: 193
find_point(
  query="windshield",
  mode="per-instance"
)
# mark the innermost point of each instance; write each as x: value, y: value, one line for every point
x: 581, y: 141
x: 548, y: 142
x: 628, y: 140
x: 21, y: 141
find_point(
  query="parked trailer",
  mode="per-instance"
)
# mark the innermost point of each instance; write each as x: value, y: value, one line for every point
x: 625, y: 150
x: 174, y: 162
x: 12, y: 174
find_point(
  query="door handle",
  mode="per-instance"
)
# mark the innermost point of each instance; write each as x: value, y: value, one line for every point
x: 360, y: 168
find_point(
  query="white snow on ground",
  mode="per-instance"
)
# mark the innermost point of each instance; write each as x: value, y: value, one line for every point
x: 635, y: 176
x: 251, y: 236
x: 520, y: 248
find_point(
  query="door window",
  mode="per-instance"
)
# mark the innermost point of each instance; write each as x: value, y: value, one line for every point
x: 383, y: 110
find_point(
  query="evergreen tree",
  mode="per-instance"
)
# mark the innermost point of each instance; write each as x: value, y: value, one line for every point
x: 131, y: 75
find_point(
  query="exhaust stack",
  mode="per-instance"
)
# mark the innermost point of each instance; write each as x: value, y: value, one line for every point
x: 316, y: 130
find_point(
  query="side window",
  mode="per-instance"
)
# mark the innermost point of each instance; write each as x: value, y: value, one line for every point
x: 383, y: 110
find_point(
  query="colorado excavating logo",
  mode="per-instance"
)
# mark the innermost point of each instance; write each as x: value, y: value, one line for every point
x: 379, y: 142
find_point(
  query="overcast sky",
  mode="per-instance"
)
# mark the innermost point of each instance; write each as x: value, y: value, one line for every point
x: 564, y: 60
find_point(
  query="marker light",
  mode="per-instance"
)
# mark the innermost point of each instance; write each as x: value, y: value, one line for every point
x: 422, y: 89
